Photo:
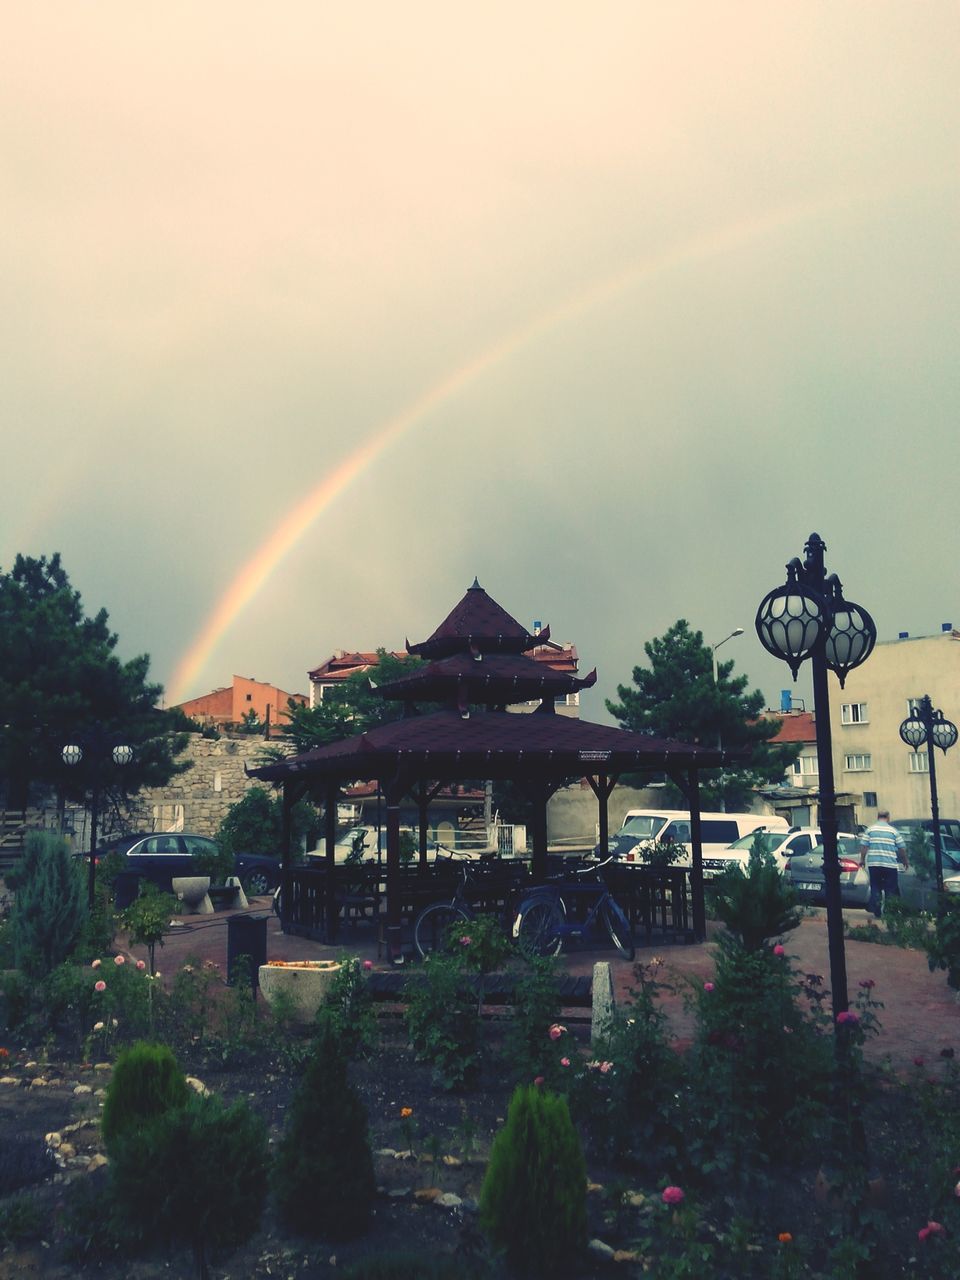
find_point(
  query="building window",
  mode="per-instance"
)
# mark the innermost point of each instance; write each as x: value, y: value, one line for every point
x: 857, y: 763
x: 913, y: 706
x: 919, y: 762
x: 870, y: 799
x: 853, y: 713
x: 805, y: 765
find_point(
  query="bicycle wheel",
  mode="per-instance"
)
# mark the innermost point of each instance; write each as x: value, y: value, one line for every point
x: 432, y: 930
x: 618, y: 927
x: 539, y: 928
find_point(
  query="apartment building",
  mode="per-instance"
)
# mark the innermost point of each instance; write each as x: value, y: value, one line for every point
x: 870, y: 760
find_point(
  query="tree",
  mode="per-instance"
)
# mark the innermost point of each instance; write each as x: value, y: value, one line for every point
x: 677, y: 698
x: 254, y: 824
x: 349, y: 708
x: 59, y: 679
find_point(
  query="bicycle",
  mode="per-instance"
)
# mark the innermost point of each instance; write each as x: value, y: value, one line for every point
x: 433, y: 926
x: 541, y: 923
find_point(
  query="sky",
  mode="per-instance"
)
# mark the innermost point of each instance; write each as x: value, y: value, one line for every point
x: 314, y: 313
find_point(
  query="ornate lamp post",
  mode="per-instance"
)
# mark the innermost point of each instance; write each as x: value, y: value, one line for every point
x: 809, y: 618
x: 101, y: 748
x: 925, y: 725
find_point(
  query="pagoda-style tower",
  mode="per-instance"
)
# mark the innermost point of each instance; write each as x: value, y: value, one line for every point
x: 477, y: 657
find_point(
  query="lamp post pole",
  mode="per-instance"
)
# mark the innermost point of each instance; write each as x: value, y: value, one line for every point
x: 737, y: 631
x: 808, y: 618
x: 925, y: 725
x: 101, y: 747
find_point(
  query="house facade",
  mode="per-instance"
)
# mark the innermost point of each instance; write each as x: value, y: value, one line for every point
x: 228, y: 706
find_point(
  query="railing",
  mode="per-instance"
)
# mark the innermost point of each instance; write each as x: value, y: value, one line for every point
x: 657, y: 901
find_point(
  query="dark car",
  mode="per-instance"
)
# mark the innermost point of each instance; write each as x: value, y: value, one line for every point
x: 159, y: 856
x: 258, y: 872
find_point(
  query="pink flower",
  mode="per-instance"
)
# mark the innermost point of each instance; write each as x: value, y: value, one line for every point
x: 556, y: 1031
x: 672, y: 1195
x: 564, y: 1062
x: 466, y: 941
x: 708, y: 987
x: 538, y: 1081
x: 100, y: 986
x: 368, y: 964
x: 847, y: 1017
x: 956, y: 1189
x: 118, y: 960
x: 868, y: 984
x: 605, y: 1067
x: 931, y: 1229
x: 95, y: 964
x: 141, y: 964
x: 778, y: 950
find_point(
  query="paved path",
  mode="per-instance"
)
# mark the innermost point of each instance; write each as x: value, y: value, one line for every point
x: 920, y: 1017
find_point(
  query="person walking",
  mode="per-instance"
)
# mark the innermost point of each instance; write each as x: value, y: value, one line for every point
x: 882, y: 850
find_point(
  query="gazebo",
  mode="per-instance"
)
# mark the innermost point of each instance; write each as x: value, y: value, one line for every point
x: 476, y: 667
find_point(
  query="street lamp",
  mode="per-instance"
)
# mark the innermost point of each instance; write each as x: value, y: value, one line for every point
x: 101, y: 748
x: 808, y: 618
x: 737, y: 631
x: 924, y: 725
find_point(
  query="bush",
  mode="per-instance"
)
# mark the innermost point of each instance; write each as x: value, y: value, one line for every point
x: 943, y: 947
x: 349, y: 1010
x: 533, y: 1203
x: 757, y: 905
x: 146, y: 1083
x: 323, y: 1177
x: 195, y: 1173
x: 444, y: 1023
x: 50, y: 908
x: 761, y: 1064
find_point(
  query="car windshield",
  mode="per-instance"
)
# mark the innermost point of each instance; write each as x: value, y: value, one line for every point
x: 643, y: 826
x: 769, y: 840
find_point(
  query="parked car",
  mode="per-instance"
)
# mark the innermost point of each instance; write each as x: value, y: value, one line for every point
x: 805, y: 873
x: 159, y: 856
x: 781, y: 846
x: 673, y: 826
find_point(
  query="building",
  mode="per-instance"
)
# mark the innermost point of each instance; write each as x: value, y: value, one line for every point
x: 873, y: 769
x: 869, y: 758
x: 229, y: 706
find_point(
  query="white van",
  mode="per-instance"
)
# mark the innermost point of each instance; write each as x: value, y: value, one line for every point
x: 717, y: 831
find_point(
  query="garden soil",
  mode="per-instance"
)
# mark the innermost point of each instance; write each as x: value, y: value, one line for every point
x: 450, y: 1134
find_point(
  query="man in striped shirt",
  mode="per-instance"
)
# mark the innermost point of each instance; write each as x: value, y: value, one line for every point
x: 882, y: 849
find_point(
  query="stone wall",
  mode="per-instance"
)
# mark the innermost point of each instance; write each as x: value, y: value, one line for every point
x: 215, y: 781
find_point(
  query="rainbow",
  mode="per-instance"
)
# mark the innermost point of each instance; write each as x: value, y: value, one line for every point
x: 257, y: 570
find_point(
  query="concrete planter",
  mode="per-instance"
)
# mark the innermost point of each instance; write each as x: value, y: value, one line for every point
x: 304, y: 984
x: 193, y: 893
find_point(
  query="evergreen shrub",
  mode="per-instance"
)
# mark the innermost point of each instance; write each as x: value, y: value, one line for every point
x: 533, y: 1203
x: 50, y: 908
x: 323, y: 1178
x: 195, y: 1173
x: 146, y: 1082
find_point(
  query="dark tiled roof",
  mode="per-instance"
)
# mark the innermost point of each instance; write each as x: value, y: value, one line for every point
x: 477, y: 620
x: 491, y: 679
x: 490, y: 744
